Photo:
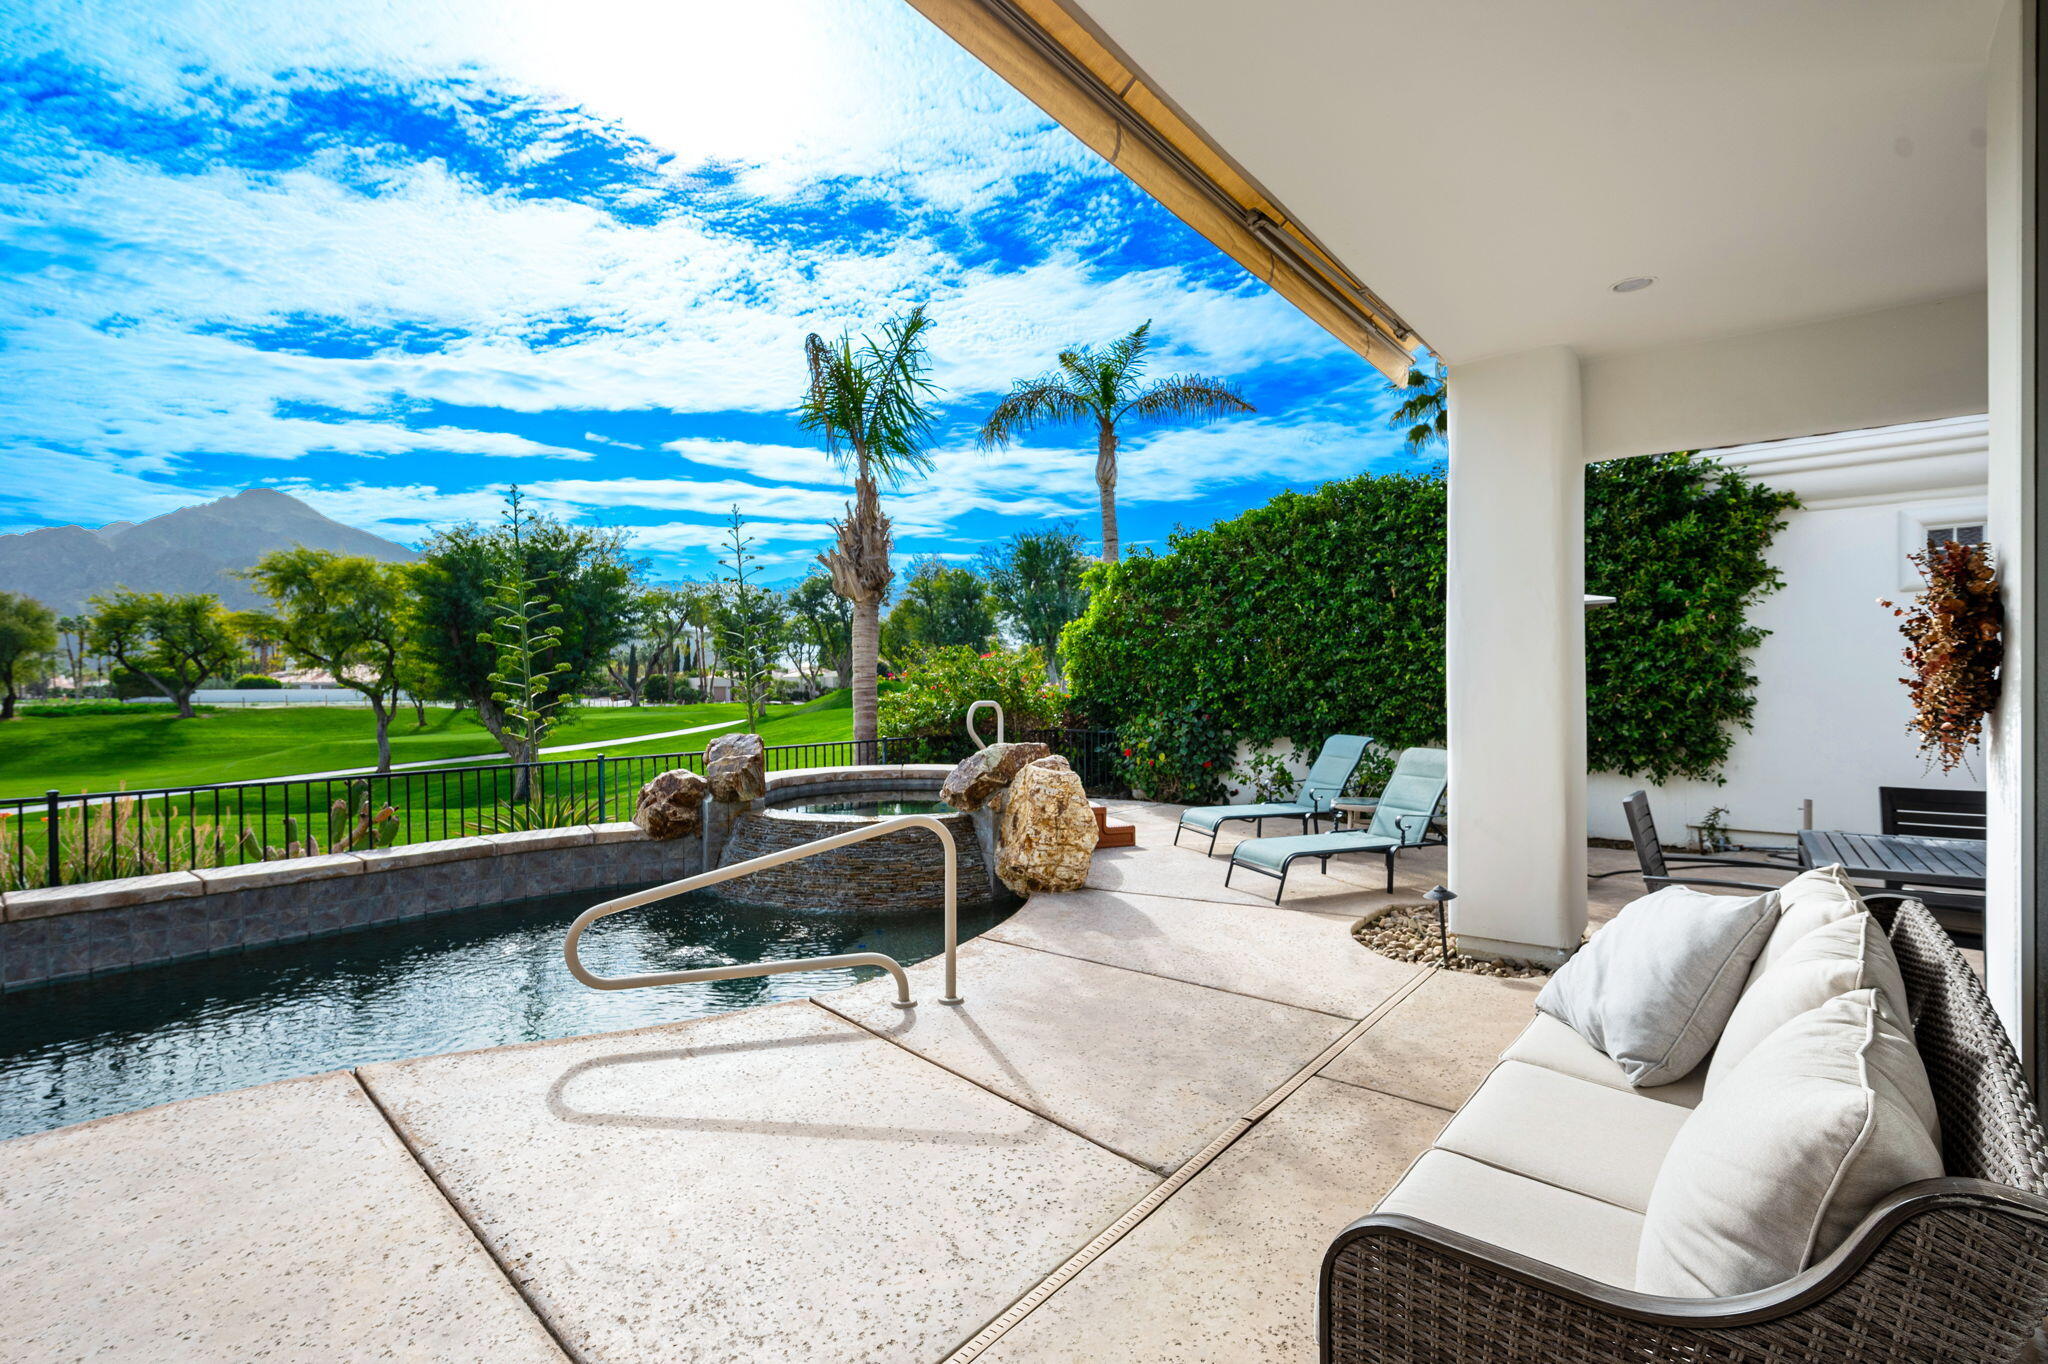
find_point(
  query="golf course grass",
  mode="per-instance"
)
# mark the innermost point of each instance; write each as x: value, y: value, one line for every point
x: 150, y: 747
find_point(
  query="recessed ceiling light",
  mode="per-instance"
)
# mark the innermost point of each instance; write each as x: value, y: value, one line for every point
x: 1633, y: 283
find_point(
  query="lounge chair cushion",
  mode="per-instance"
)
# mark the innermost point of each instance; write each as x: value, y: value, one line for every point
x: 1212, y: 816
x: 1847, y: 954
x: 1554, y: 1046
x: 1809, y: 900
x: 1789, y: 1152
x: 1271, y: 854
x: 1592, y: 1139
x: 1524, y: 1215
x: 1654, y: 988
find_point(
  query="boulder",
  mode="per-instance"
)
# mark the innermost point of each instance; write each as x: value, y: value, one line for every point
x: 1047, y: 833
x: 672, y: 805
x: 980, y: 775
x: 1055, y: 763
x: 737, y: 765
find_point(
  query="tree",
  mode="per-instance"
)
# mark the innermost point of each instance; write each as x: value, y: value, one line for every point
x: 941, y: 607
x: 624, y: 666
x: 173, y: 642
x: 588, y: 581
x: 700, y: 607
x: 821, y: 629
x: 523, y: 636
x: 1034, y: 578
x: 1426, y: 411
x: 343, y: 612
x: 28, y: 630
x: 868, y: 402
x: 1103, y: 387
x: 749, y: 624
x: 71, y: 638
x: 664, y: 618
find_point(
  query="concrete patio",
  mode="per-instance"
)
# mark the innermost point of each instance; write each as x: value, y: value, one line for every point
x: 1159, y: 1101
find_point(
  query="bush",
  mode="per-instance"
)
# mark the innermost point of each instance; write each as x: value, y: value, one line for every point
x: 927, y: 705
x: 256, y: 682
x: 1323, y: 613
x: 666, y: 689
x: 1182, y: 755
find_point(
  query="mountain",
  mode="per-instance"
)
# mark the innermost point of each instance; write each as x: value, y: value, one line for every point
x: 193, y: 549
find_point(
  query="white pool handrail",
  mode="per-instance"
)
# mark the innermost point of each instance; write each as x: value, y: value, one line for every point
x: 979, y: 742
x: 771, y: 968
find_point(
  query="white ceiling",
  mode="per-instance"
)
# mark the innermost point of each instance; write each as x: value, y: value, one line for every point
x: 1491, y: 167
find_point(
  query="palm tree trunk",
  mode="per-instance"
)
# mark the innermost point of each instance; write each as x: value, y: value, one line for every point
x: 1105, y: 481
x: 867, y: 638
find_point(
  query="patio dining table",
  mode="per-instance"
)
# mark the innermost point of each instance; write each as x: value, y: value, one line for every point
x: 1897, y: 859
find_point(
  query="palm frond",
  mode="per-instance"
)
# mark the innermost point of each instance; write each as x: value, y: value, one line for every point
x: 1047, y: 401
x: 1193, y: 397
x: 868, y: 402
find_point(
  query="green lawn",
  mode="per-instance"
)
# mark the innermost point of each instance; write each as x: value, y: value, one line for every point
x: 145, y: 748
x: 142, y: 749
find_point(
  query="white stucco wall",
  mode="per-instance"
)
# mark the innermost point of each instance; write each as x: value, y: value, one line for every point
x: 1831, y: 712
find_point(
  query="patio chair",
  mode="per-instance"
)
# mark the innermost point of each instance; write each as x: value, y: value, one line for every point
x: 1939, y: 812
x: 1403, y: 818
x: 1323, y: 784
x: 1657, y: 869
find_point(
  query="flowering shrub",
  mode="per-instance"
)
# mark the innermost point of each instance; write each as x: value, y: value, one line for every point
x: 1954, y: 649
x: 927, y: 703
x: 1181, y: 755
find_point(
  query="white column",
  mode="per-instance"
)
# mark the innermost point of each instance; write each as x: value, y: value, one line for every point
x: 2012, y: 768
x: 1516, y: 655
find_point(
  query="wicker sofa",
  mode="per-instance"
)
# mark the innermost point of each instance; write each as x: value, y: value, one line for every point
x: 1485, y: 1252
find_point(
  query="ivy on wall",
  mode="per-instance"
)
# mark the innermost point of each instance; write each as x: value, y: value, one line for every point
x: 1323, y: 612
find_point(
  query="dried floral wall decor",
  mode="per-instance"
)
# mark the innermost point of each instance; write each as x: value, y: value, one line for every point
x: 1954, y: 629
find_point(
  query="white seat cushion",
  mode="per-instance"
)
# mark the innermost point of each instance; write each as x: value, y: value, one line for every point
x: 1845, y: 954
x: 1553, y: 1045
x: 1790, y: 1151
x: 1654, y: 988
x: 1592, y: 1139
x: 1569, y: 1230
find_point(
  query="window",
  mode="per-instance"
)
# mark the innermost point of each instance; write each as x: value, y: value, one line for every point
x: 1962, y: 534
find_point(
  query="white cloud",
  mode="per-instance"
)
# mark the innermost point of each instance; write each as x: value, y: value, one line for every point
x: 595, y: 439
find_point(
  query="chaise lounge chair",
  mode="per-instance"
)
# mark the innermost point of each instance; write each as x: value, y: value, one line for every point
x: 1323, y: 784
x: 1401, y: 820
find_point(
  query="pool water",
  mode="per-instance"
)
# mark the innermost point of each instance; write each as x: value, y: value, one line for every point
x: 869, y: 808
x: 473, y: 978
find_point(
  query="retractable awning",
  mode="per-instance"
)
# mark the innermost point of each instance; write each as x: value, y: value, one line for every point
x: 1063, y: 68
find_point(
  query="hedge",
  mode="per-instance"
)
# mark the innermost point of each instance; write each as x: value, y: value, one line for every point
x: 1323, y: 612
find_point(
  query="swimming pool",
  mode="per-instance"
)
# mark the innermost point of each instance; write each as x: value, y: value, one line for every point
x: 480, y: 977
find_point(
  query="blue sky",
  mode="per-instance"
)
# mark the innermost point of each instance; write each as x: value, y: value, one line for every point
x: 391, y: 257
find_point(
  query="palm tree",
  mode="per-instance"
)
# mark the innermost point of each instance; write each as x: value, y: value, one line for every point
x: 1424, y: 411
x: 1103, y: 386
x: 868, y: 400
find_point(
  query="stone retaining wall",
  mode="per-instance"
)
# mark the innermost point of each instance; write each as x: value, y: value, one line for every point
x: 70, y: 932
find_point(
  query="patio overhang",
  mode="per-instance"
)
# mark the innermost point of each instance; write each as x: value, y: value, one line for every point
x: 1626, y: 229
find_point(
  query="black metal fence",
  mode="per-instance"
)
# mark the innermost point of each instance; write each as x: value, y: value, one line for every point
x: 57, y: 839
x: 1091, y: 752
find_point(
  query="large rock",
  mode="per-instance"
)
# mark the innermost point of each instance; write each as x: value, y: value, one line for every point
x: 980, y: 775
x: 672, y: 805
x: 738, y: 767
x: 1047, y: 832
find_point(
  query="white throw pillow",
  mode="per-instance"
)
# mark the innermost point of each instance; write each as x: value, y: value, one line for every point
x: 1776, y: 1167
x: 1808, y: 901
x: 1654, y: 988
x: 1847, y: 954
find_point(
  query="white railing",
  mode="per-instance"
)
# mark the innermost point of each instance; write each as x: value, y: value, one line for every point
x: 888, y: 963
x: 978, y: 741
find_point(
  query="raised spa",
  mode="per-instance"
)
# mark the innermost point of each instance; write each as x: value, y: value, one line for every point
x: 898, y: 872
